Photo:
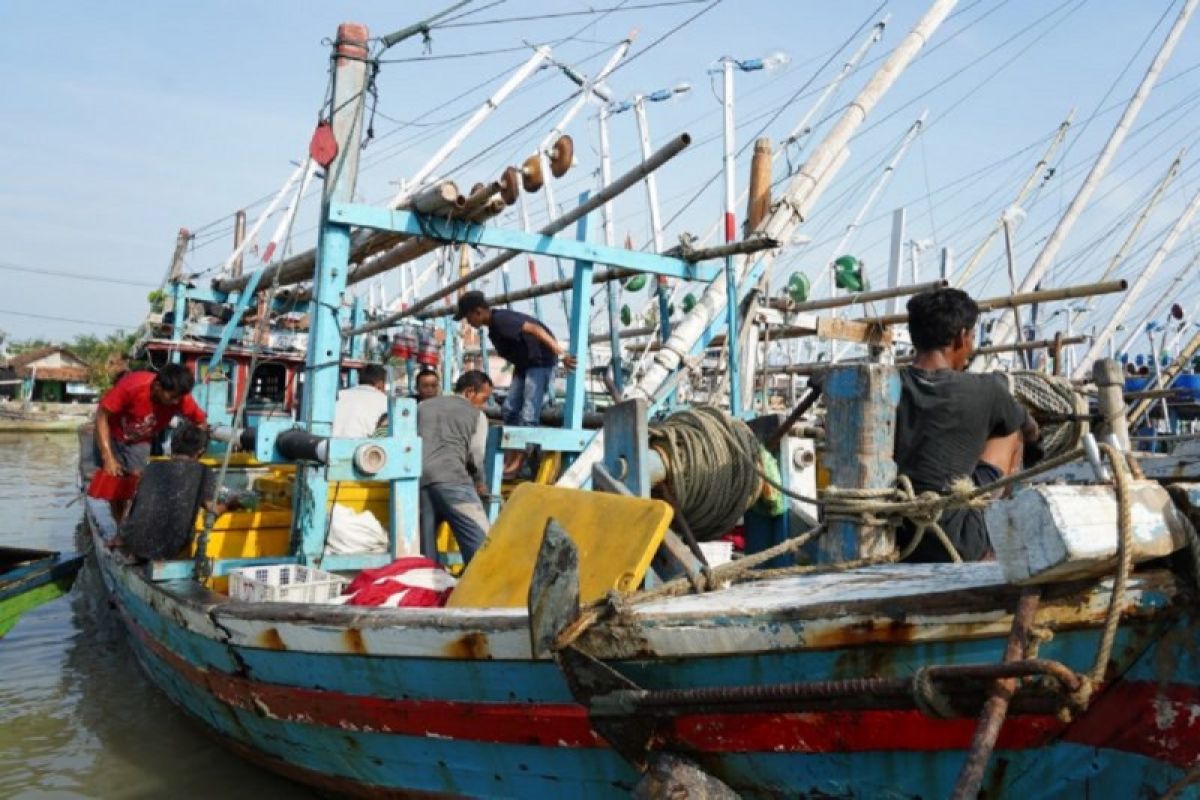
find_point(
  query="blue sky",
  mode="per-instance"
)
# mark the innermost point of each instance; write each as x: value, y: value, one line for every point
x: 125, y: 121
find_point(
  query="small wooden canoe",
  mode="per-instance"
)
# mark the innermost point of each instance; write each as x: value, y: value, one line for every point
x: 29, y: 578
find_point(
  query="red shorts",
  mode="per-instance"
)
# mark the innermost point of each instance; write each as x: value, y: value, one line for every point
x: 107, y: 487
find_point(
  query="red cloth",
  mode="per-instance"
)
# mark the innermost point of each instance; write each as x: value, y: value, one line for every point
x: 108, y: 487
x: 405, y: 583
x: 134, y: 417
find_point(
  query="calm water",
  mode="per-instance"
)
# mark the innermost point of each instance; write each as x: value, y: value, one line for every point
x: 77, y: 716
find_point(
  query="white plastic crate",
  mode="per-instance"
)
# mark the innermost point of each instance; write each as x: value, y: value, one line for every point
x: 717, y: 553
x: 285, y: 583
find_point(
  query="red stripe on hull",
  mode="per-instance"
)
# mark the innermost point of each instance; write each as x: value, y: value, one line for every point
x: 1162, y: 723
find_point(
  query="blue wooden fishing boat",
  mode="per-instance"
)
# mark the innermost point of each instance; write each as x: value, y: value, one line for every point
x: 29, y: 578
x: 588, y: 650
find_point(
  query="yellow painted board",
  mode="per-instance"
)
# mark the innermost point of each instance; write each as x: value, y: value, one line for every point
x: 617, y: 537
x: 247, y: 544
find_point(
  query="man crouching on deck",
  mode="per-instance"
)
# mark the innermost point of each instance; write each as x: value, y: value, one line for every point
x: 129, y: 416
x: 952, y: 424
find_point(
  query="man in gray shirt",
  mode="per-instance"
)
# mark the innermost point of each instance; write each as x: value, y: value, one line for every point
x: 453, y: 433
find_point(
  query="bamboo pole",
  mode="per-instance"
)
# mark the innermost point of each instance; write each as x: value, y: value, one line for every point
x: 782, y: 304
x: 803, y: 191
x: 1139, y: 285
x: 1046, y: 257
x: 1027, y: 298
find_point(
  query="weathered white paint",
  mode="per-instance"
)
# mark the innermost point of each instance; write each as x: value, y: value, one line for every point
x: 1049, y: 533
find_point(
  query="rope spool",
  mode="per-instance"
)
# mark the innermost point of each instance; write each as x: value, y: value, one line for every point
x: 1059, y: 410
x: 712, y: 467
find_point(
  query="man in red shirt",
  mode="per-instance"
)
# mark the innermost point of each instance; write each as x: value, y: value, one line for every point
x: 139, y: 407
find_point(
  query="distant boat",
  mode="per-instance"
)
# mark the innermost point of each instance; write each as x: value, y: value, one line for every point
x: 29, y: 578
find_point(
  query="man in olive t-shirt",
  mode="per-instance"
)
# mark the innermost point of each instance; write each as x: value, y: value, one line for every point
x: 952, y: 424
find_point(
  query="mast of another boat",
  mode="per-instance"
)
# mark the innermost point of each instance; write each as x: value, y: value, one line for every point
x: 804, y: 189
x: 1100, y: 342
x: 1004, y: 329
x: 1027, y: 187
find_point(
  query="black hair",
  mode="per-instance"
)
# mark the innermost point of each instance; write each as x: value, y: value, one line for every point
x: 189, y: 440
x: 469, y: 302
x: 936, y: 317
x: 175, y: 378
x: 427, y: 371
x: 372, y: 374
x: 471, y: 379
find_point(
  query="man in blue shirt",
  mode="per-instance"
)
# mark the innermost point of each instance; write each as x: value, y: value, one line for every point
x: 529, y: 346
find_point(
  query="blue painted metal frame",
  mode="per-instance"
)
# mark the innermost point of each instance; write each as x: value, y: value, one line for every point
x: 580, y: 319
x: 412, y: 224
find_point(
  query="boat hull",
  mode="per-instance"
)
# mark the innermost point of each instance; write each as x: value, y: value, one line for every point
x: 421, y: 708
x: 42, y: 577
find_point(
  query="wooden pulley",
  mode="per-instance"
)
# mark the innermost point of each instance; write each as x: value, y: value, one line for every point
x: 532, y: 178
x: 562, y: 155
x: 510, y: 185
x: 476, y: 189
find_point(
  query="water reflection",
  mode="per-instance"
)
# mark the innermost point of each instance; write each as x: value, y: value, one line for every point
x: 78, y: 718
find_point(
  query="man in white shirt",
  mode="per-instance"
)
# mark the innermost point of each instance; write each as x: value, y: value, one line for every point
x: 360, y: 409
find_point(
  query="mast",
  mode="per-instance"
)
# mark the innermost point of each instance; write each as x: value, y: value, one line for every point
x: 322, y: 362
x: 1003, y: 329
x: 803, y: 191
x: 1026, y: 188
x: 1138, y: 224
x: 1171, y: 289
x: 1139, y: 284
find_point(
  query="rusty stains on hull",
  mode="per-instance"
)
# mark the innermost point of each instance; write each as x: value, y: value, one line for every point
x: 270, y: 639
x: 871, y: 630
x: 352, y: 638
x: 472, y: 646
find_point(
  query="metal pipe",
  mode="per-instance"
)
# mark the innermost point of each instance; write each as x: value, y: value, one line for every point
x: 662, y: 156
x: 1028, y: 298
x: 1046, y: 257
x: 995, y: 708
x: 611, y: 289
x: 782, y: 304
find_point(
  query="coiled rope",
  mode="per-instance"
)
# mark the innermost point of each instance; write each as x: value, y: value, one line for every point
x: 713, y: 468
x: 1060, y: 411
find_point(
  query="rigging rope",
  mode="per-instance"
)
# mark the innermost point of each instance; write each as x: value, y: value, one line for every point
x: 1059, y: 410
x: 712, y: 467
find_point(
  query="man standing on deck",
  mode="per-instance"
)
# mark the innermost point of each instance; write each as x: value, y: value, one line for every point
x: 429, y: 385
x: 138, y: 408
x: 530, y: 347
x: 453, y: 433
x: 952, y: 424
x: 361, y: 408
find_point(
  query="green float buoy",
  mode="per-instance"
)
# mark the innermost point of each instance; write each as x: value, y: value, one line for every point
x: 626, y: 315
x: 689, y: 302
x: 848, y: 274
x: 636, y: 283
x: 798, y: 287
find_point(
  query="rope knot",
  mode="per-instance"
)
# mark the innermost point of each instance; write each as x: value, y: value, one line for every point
x: 930, y: 700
